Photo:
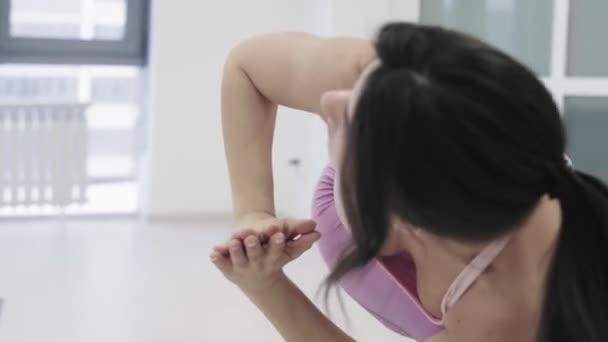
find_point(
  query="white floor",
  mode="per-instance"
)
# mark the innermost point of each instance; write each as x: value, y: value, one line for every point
x: 125, y: 281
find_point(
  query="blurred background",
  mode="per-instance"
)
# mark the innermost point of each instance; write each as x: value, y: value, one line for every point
x: 113, y: 183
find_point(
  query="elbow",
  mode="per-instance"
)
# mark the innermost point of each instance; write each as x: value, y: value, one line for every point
x: 233, y: 60
x: 238, y: 54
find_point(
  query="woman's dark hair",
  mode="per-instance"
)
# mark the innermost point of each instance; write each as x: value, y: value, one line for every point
x: 458, y: 138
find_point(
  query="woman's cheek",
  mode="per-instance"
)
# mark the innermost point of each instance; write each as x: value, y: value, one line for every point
x: 338, y: 199
x: 336, y: 152
x: 336, y: 142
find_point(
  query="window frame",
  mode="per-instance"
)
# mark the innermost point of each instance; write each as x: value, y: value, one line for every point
x: 562, y: 85
x: 131, y: 50
x: 558, y: 81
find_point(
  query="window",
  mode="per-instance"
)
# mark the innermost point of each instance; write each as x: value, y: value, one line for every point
x: 587, y: 121
x: 73, y: 31
x: 561, y: 41
x: 113, y: 118
x: 522, y: 28
x: 82, y: 51
x: 74, y: 19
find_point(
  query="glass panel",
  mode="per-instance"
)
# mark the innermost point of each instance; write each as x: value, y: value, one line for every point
x: 56, y: 7
x: 587, y: 122
x: 110, y: 142
x: 106, y: 32
x: 587, y: 55
x: 68, y: 19
x: 523, y: 28
x: 112, y: 120
x: 45, y: 30
x: 28, y: 88
x: 112, y: 116
x: 115, y: 89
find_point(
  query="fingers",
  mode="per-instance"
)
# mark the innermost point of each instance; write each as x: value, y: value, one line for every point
x: 297, y: 247
x: 222, y: 249
x: 243, y: 234
x: 275, y: 248
x: 254, y: 243
x: 262, y: 233
x: 299, y: 227
x: 270, y: 231
x: 221, y: 262
x: 249, y: 262
x: 264, y: 230
x: 255, y: 252
x: 237, y: 255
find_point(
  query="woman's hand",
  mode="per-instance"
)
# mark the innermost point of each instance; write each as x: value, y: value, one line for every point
x: 264, y: 225
x: 256, y: 267
x: 257, y: 270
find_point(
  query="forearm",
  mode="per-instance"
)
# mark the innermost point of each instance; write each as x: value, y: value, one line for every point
x: 248, y: 121
x: 295, y: 316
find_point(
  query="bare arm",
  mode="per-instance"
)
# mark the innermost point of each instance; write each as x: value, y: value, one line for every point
x: 290, y: 69
x: 294, y: 70
x: 295, y: 317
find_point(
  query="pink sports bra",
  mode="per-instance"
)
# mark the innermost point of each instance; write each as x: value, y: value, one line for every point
x: 386, y: 287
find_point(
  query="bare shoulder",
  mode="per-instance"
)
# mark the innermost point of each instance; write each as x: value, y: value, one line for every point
x: 295, y: 69
x: 491, y: 314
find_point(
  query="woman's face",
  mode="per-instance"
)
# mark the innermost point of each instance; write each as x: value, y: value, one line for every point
x: 337, y: 111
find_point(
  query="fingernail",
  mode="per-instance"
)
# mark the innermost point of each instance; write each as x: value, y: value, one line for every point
x: 250, y: 243
x: 279, y: 239
x: 214, y: 257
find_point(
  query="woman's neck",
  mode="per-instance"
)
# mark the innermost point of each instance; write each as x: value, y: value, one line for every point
x: 533, y: 243
x: 533, y: 240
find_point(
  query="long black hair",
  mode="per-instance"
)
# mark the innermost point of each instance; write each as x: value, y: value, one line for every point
x: 458, y: 138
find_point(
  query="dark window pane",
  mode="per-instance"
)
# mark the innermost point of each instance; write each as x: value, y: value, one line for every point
x: 523, y: 28
x: 587, y: 47
x: 587, y: 122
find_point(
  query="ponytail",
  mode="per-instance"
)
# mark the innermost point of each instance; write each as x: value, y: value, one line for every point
x: 576, y: 299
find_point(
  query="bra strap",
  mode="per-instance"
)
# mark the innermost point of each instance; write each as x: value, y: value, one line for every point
x: 471, y: 272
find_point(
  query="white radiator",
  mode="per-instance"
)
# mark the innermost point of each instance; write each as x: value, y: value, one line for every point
x: 43, y: 155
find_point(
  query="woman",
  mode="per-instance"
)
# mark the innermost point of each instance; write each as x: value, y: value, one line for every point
x: 466, y: 222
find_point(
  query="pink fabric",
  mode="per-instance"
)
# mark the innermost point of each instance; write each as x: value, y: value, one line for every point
x: 471, y: 272
x: 403, y: 269
x: 386, y: 287
x: 373, y: 286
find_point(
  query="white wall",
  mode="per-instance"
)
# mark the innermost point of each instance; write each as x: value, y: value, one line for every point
x: 364, y: 17
x: 184, y: 170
